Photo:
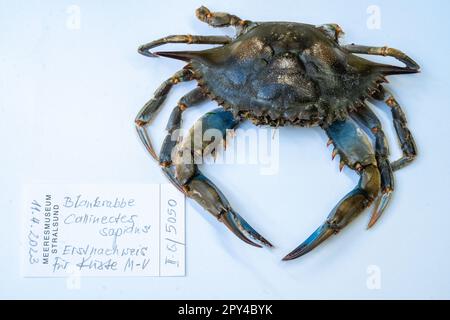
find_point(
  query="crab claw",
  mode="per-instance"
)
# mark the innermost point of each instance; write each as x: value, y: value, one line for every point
x: 356, y: 151
x: 242, y: 229
x: 319, y: 236
x: 209, y: 197
x: 344, y: 213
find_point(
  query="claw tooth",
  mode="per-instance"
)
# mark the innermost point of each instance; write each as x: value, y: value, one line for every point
x: 334, y: 154
x: 329, y: 143
x: 341, y: 166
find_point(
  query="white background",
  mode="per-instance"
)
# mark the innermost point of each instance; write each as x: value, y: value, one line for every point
x: 68, y: 98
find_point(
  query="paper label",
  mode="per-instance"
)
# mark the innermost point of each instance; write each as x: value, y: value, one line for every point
x: 103, y: 230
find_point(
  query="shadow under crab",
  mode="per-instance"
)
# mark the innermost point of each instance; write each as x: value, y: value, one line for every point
x: 280, y: 74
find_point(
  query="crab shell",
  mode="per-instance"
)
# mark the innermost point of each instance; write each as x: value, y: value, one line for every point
x: 286, y: 73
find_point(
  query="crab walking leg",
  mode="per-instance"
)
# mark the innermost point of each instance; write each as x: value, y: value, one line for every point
x: 191, y: 99
x: 368, y: 119
x: 221, y: 19
x: 195, y: 185
x: 405, y: 137
x: 384, y: 51
x: 355, y: 149
x: 151, y: 108
x: 189, y: 39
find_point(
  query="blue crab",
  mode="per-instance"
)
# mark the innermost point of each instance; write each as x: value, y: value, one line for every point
x: 284, y: 74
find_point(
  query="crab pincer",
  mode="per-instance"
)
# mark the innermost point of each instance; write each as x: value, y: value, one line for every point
x: 357, y: 153
x: 206, y: 193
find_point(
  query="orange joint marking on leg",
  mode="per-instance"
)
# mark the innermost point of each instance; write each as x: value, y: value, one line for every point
x: 186, y: 189
x: 384, y: 51
x: 165, y: 164
x: 359, y: 167
x: 220, y: 216
x: 190, y: 39
x: 140, y: 123
x: 391, y: 102
x: 375, y: 130
x: 387, y: 190
x: 338, y: 31
x: 242, y: 22
x: 182, y: 106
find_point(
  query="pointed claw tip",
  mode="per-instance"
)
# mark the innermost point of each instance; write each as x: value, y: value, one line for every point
x: 318, y: 237
x: 294, y: 255
x: 370, y: 225
x: 288, y: 258
x: 144, y: 52
x: 268, y: 244
x: 374, y: 219
x: 297, y: 253
x: 379, y: 208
